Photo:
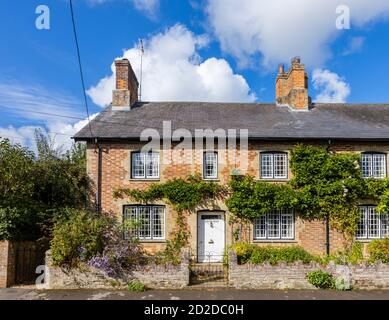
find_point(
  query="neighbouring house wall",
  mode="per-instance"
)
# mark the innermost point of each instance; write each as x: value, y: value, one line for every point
x: 152, y: 276
x: 116, y: 173
x: 293, y: 276
x: 7, y: 264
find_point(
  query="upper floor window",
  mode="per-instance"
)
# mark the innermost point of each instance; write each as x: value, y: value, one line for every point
x: 276, y: 224
x: 274, y: 165
x: 374, y: 165
x: 145, y: 165
x: 372, y: 225
x: 210, y: 165
x: 147, y: 222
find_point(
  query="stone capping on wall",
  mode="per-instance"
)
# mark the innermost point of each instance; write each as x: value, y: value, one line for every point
x: 152, y: 276
x: 293, y: 276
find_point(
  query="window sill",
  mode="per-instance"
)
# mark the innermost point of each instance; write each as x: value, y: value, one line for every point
x: 368, y: 240
x: 275, y: 241
x: 145, y: 180
x: 211, y: 179
x: 273, y: 180
x: 375, y: 178
x: 152, y: 241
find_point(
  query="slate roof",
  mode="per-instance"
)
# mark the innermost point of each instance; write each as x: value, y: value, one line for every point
x: 263, y: 121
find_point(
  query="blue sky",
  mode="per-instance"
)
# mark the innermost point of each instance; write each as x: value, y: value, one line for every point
x: 210, y: 50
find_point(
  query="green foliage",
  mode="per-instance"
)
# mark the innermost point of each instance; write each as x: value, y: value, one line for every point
x: 251, y: 253
x: 379, y: 250
x: 342, y: 284
x: 16, y: 169
x: 321, y: 279
x: 183, y: 195
x: 351, y: 255
x: 136, y: 286
x: 324, y: 185
x: 33, y: 189
x: 250, y: 199
x: 329, y: 185
x: 78, y: 237
x: 172, y: 252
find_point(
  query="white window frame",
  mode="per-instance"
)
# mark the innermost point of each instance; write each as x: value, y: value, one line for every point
x: 151, y: 221
x: 367, y: 212
x: 369, y: 160
x: 270, y: 159
x: 147, y: 159
x: 215, y: 165
x: 264, y: 219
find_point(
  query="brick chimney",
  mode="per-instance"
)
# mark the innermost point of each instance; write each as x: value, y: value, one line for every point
x: 292, y: 86
x: 126, y: 92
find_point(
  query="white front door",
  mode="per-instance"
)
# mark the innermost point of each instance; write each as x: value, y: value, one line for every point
x: 210, y: 237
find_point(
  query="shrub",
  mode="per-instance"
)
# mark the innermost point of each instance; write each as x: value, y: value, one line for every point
x: 353, y: 255
x: 243, y: 251
x: 343, y: 283
x: 255, y: 254
x: 79, y: 237
x: 321, y: 279
x: 118, y: 255
x: 379, y: 250
x: 136, y: 286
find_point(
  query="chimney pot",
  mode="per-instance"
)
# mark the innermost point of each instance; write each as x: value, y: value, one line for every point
x: 296, y: 60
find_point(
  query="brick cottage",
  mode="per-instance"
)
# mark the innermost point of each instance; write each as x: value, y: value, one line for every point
x: 115, y: 159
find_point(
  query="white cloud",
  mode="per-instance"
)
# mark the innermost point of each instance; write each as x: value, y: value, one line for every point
x: 26, y: 100
x: 61, y: 132
x: 355, y: 45
x: 23, y: 135
x: 173, y: 71
x: 281, y: 29
x: 149, y: 7
x: 39, y: 105
x: 332, y: 88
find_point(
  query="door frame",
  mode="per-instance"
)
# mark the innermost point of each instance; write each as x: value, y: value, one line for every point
x: 221, y: 212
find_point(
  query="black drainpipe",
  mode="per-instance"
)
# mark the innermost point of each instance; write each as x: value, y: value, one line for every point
x: 328, y: 218
x: 99, y: 177
x: 327, y: 236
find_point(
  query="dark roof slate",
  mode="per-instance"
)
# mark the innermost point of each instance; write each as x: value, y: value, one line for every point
x: 263, y: 121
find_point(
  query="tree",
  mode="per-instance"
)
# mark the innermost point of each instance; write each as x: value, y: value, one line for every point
x: 34, y: 189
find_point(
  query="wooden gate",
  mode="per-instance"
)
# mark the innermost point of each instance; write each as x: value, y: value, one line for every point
x: 28, y: 256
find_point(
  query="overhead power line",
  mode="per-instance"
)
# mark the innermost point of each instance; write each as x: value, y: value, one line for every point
x: 80, y: 66
x: 124, y: 123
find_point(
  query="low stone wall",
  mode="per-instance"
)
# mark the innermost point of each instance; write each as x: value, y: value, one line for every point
x: 363, y: 276
x: 293, y: 276
x: 152, y: 276
x: 266, y: 276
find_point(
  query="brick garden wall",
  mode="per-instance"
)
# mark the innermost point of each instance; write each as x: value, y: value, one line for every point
x: 7, y: 264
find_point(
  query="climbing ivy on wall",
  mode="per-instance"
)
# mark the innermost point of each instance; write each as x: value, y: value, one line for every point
x: 324, y: 185
x: 184, y: 195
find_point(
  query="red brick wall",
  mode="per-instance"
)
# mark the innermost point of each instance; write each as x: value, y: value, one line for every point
x: 7, y: 264
x: 116, y: 173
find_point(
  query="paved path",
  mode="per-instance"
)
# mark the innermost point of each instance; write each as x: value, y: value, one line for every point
x: 190, y: 294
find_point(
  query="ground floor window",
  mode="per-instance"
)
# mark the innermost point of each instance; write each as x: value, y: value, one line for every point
x: 372, y: 225
x: 276, y: 224
x: 147, y: 222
